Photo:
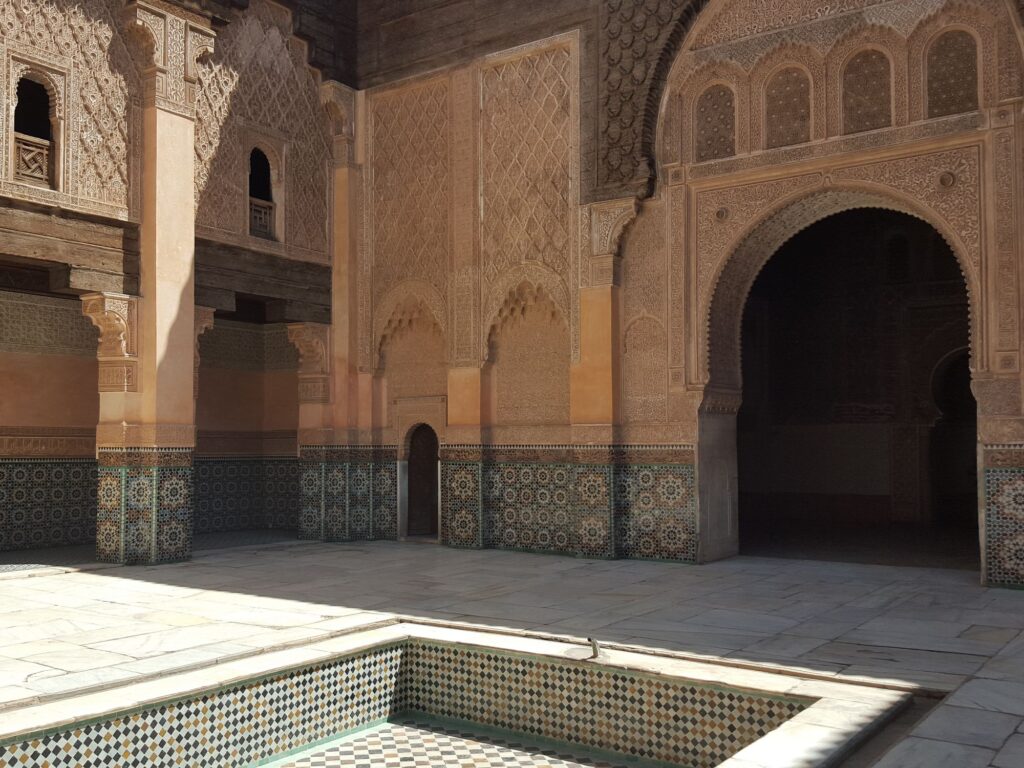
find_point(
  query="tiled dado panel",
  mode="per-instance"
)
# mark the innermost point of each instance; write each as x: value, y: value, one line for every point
x: 349, y: 493
x: 47, y: 503
x: 1004, y: 515
x: 239, y: 493
x: 635, y: 714
x: 618, y: 501
x: 144, y: 505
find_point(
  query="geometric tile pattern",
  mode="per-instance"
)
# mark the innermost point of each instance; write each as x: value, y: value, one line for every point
x: 575, y: 703
x: 1004, y: 522
x: 232, y: 727
x: 418, y: 743
x: 47, y: 503
x: 243, y: 493
x: 609, y: 502
x: 348, y: 493
x: 656, y: 512
x: 144, y: 505
x: 645, y: 716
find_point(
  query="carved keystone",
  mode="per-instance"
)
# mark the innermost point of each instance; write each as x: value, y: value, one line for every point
x: 116, y: 316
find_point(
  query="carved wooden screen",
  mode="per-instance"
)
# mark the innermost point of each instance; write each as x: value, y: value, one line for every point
x: 715, y: 124
x: 952, y: 74
x: 788, y: 108
x: 867, y: 92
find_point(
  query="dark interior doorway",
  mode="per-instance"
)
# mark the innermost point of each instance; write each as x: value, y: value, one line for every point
x: 422, y: 497
x: 856, y: 438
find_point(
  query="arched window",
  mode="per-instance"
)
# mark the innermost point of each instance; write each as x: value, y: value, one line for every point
x: 261, y: 196
x: 867, y: 92
x: 33, y: 134
x: 714, y: 121
x: 787, y: 108
x: 952, y: 74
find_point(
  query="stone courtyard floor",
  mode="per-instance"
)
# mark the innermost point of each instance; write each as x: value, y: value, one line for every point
x: 935, y: 632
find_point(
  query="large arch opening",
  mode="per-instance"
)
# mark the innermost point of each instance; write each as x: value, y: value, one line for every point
x: 856, y: 435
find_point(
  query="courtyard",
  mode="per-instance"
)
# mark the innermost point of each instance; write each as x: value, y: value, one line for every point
x: 100, y: 631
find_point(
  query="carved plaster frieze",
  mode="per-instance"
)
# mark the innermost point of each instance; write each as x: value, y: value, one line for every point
x: 116, y: 317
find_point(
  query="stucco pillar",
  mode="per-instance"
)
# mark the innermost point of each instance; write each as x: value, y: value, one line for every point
x: 146, y: 435
x: 593, y: 395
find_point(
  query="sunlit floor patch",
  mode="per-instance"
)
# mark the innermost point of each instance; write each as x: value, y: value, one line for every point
x: 419, y: 743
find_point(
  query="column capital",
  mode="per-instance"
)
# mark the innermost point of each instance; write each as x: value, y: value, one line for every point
x: 314, y: 345
x: 116, y: 317
x: 340, y: 103
x: 203, y: 323
x: 168, y: 42
x: 609, y: 221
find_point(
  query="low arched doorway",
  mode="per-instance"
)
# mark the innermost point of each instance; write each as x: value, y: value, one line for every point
x: 422, y: 482
x: 838, y: 439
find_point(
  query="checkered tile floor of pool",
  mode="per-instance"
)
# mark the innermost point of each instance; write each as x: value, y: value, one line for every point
x: 415, y: 744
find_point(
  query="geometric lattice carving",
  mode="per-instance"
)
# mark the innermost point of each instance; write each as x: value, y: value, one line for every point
x: 715, y: 124
x: 527, y: 146
x: 788, y: 108
x: 259, y: 82
x: 867, y: 92
x: 410, y: 155
x: 952, y: 69
x: 100, y: 113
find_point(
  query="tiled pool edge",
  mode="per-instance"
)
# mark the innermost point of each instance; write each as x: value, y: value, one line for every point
x: 59, y: 716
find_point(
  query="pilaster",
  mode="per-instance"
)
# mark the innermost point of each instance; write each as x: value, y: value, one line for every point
x: 147, y: 350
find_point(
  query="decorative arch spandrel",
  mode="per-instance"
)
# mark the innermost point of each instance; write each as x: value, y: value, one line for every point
x: 721, y: 305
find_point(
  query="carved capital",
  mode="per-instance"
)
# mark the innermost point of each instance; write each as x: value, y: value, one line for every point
x: 339, y: 102
x: 608, y: 223
x: 313, y: 342
x: 168, y: 43
x: 116, y: 317
x: 203, y: 323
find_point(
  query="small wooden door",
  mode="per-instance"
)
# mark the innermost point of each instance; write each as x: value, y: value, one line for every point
x: 422, y: 498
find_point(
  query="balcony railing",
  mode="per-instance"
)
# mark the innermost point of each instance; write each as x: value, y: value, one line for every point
x: 32, y: 160
x: 261, y: 218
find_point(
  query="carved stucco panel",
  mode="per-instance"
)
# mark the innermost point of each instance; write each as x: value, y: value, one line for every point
x: 738, y: 19
x: 1007, y: 334
x: 101, y: 106
x: 529, y: 126
x: 410, y: 165
x: 258, y: 84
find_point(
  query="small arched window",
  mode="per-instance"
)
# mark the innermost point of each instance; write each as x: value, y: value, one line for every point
x: 952, y: 74
x: 261, y: 196
x: 867, y: 92
x: 33, y: 134
x: 787, y: 108
x: 714, y: 117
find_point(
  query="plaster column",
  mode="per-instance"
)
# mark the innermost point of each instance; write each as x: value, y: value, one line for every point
x: 146, y: 435
x: 594, y: 379
x: 593, y: 398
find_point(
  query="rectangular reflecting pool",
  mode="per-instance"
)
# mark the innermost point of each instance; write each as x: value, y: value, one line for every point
x: 409, y: 694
